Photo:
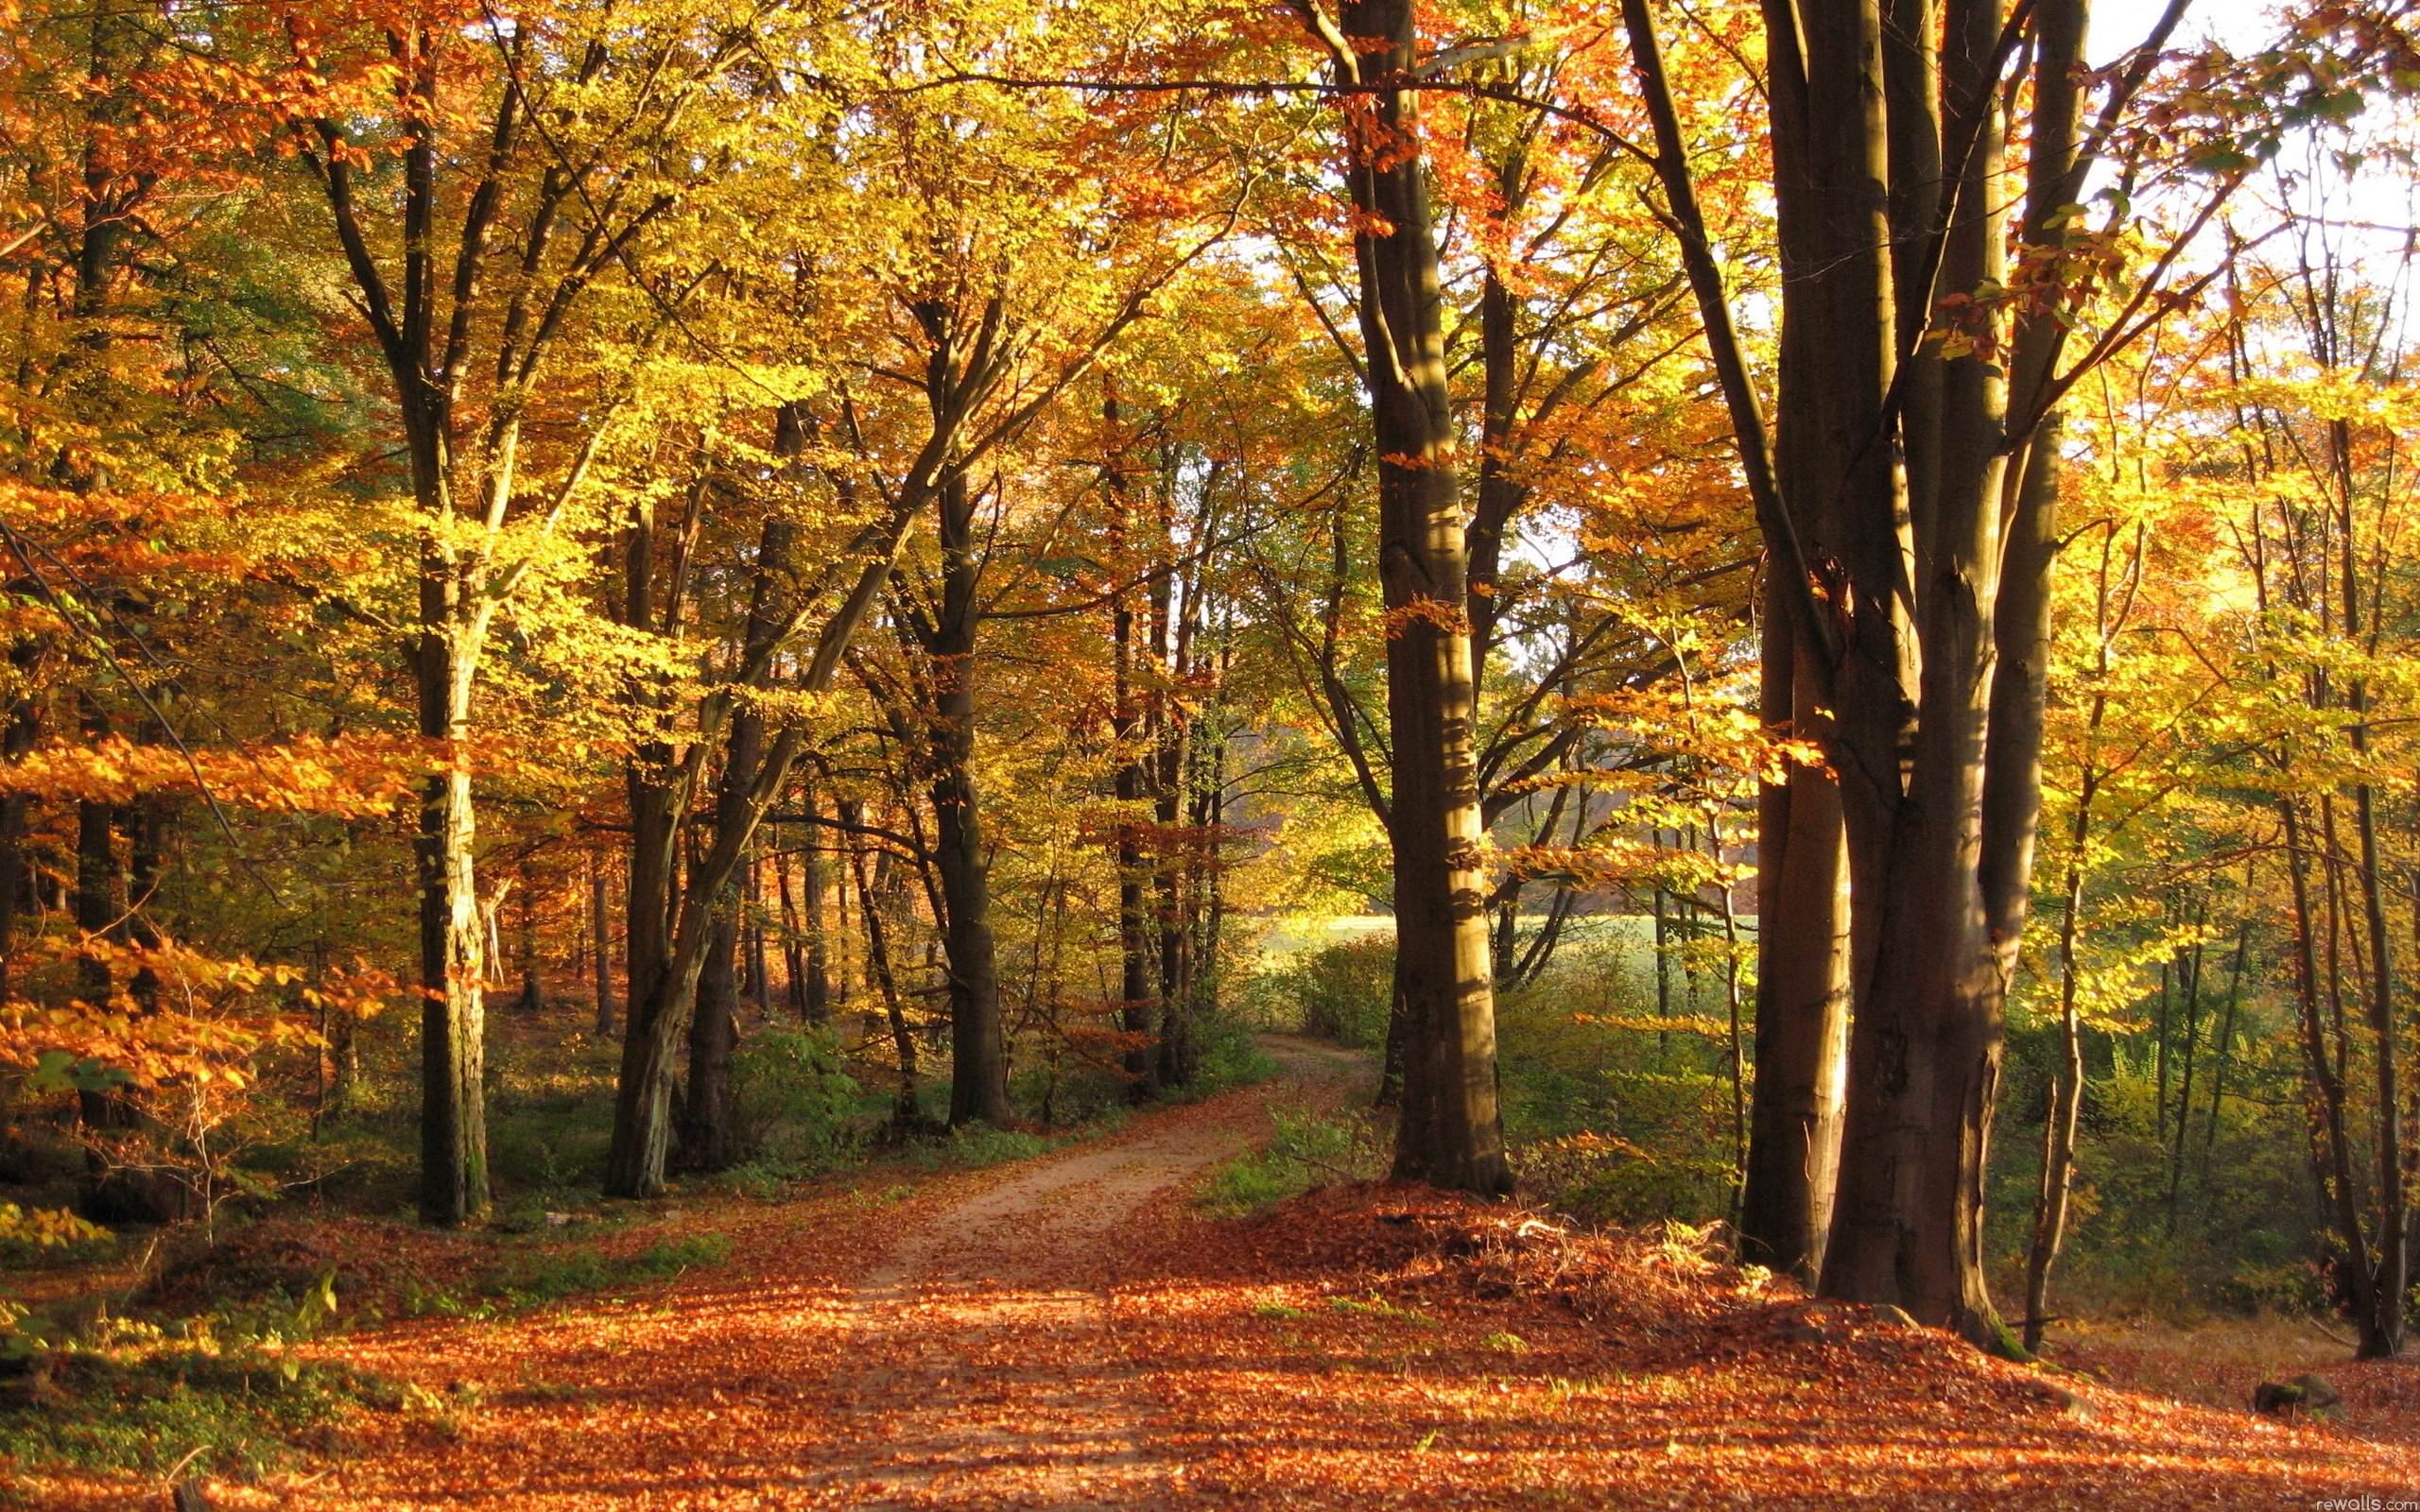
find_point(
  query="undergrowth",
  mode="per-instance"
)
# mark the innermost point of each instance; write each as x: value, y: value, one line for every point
x: 1309, y: 1148
x: 534, y: 1281
x: 207, y: 1394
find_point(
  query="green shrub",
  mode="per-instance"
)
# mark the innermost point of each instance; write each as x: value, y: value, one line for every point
x: 794, y: 1101
x: 1058, y: 1093
x: 1342, y: 992
x: 1613, y: 1113
x: 552, y: 1148
x: 1230, y: 1057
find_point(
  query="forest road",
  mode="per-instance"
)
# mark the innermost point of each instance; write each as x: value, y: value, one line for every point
x: 982, y: 1371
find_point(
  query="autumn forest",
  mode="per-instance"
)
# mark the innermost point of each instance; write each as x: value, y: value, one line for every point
x: 1314, y: 753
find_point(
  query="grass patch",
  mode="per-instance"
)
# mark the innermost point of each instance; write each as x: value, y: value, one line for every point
x: 134, y: 1398
x: 1309, y: 1149
x: 536, y: 1280
x: 974, y: 1146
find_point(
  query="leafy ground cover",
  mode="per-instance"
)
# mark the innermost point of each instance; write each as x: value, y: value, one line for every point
x: 1090, y: 1326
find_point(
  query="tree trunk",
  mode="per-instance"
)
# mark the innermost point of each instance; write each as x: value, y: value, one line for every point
x: 2341, y: 1185
x: 904, y: 1112
x: 759, y: 987
x: 2066, y: 1082
x: 2191, y: 964
x: 1801, y: 990
x: 533, y: 989
x: 978, y: 1056
x: 815, y: 993
x: 1450, y: 1133
x: 15, y: 875
x: 1926, y: 583
x: 601, y: 943
x: 1172, y: 627
x: 674, y: 939
x: 452, y: 946
x: 100, y: 904
x: 1135, y: 1002
x: 708, y: 1132
x: 794, y: 971
x: 2226, y: 1045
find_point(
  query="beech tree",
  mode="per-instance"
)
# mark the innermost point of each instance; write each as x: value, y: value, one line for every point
x: 1451, y: 1133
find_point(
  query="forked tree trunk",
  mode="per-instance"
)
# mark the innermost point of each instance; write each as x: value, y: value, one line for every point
x: 1926, y: 577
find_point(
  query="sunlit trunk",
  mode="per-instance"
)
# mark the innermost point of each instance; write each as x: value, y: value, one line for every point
x: 1450, y: 1133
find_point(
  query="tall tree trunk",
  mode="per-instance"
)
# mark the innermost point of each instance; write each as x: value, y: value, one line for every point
x: 978, y: 1053
x: 2394, y: 1219
x: 886, y: 983
x: 452, y: 946
x: 815, y: 995
x: 2226, y: 1045
x: 1136, y: 998
x: 2067, y: 1081
x: 2341, y: 1185
x: 2191, y: 964
x: 1210, y: 830
x: 1829, y: 166
x: 1137, y: 1002
x: 708, y: 1130
x: 1802, y: 988
x: 1929, y: 594
x: 759, y: 985
x: 600, y: 942
x: 534, y: 990
x: 1450, y: 1132
x: 676, y: 937
x: 1172, y: 627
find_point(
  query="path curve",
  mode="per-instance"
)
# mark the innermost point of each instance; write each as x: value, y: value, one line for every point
x: 980, y: 1369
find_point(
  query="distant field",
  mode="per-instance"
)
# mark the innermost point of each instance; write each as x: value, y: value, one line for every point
x: 1285, y: 936
x: 1612, y: 945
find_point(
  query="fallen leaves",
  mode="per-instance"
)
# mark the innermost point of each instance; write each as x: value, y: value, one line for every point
x: 1072, y: 1329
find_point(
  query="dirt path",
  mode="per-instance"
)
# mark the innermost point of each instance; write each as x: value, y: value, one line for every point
x: 1072, y: 1332
x: 944, y: 1347
x: 981, y: 1371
